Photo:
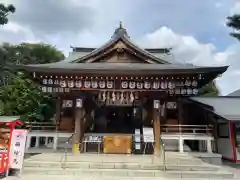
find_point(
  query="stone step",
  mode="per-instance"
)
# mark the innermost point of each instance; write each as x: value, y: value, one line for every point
x: 107, y: 159
x: 129, y: 173
x: 88, y: 165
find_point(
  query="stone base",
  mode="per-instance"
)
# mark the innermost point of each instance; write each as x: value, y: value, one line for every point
x: 211, y: 158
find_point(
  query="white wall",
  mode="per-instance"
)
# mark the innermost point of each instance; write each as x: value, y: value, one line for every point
x: 224, y: 144
x: 225, y: 147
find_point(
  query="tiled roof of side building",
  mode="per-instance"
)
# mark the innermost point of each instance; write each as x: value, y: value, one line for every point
x: 226, y: 107
x: 235, y: 93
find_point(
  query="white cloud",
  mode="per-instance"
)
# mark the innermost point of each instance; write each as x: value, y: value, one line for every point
x: 90, y: 23
x: 13, y: 27
x: 189, y: 50
x: 236, y: 8
x: 185, y: 48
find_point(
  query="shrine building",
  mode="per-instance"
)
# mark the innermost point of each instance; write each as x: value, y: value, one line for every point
x: 113, y: 94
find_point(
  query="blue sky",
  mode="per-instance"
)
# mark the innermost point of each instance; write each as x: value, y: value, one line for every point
x: 195, y: 29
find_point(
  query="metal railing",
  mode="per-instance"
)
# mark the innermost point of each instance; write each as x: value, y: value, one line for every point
x: 162, y: 151
x: 64, y: 158
x: 41, y: 126
x: 187, y: 129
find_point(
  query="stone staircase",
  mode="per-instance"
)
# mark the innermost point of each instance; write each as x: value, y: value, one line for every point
x: 178, y: 166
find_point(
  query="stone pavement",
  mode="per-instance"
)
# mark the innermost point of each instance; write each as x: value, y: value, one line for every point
x: 61, y: 177
x: 89, y: 177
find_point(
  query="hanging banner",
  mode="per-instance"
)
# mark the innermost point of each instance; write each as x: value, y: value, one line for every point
x: 18, y: 142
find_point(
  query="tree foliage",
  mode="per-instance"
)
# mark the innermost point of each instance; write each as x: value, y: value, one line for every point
x: 23, y: 97
x: 29, y: 53
x: 234, y: 22
x: 5, y: 10
x: 209, y: 90
x: 18, y: 94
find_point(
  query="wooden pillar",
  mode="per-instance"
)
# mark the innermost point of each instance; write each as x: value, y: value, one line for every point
x: 77, y: 129
x: 180, y: 114
x: 156, y: 127
x: 58, y: 112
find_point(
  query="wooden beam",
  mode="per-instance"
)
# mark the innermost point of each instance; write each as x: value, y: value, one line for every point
x: 58, y: 112
x: 77, y: 132
x: 157, y: 132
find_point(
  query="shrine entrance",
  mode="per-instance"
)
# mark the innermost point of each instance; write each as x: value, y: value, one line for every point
x: 120, y: 120
x: 116, y: 120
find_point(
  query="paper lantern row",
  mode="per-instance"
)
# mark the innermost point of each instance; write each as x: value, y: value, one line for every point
x: 124, y: 84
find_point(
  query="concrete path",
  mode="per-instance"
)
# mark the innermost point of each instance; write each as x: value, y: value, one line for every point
x: 89, y: 177
x: 45, y: 177
x: 41, y: 177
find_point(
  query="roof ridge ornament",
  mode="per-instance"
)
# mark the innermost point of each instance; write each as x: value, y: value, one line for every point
x: 120, y: 25
x: 120, y: 31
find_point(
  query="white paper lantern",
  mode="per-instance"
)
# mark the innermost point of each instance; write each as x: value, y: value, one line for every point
x: 102, y: 84
x: 45, y: 81
x: 78, y: 84
x: 50, y: 81
x: 139, y: 85
x: 63, y: 83
x: 156, y: 85
x: 132, y: 85
x: 124, y: 84
x: 87, y: 84
x: 109, y: 84
x: 71, y: 83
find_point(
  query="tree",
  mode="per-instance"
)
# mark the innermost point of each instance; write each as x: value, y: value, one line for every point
x: 29, y: 53
x: 5, y: 10
x: 6, y: 70
x: 25, y: 53
x: 209, y: 90
x: 21, y: 96
x: 234, y: 22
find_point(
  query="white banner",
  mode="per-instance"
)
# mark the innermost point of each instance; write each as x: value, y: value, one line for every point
x: 148, y: 136
x: 17, y: 148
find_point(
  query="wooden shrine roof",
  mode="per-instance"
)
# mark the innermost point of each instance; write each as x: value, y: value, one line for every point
x: 149, y: 61
x: 122, y: 68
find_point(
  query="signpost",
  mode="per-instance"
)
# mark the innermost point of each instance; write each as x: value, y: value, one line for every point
x: 17, y: 149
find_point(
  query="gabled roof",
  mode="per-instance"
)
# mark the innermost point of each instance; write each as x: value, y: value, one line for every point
x: 120, y: 34
x: 235, y: 93
x: 79, y: 53
x: 226, y: 107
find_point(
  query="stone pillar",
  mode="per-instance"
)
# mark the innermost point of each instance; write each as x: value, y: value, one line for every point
x: 209, y: 146
x: 181, y: 145
x: 46, y: 141
x: 37, y: 141
x: 55, y: 141
x: 77, y: 130
x: 28, y: 143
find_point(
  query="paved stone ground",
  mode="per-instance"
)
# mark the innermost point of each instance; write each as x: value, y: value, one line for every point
x: 94, y: 177
x: 87, y: 178
x: 65, y: 177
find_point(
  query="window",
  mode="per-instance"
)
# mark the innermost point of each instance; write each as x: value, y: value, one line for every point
x: 223, y: 130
